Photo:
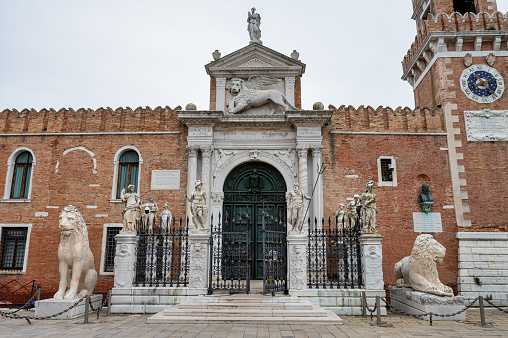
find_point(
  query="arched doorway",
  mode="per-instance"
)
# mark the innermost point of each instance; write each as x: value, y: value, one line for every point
x: 253, y: 232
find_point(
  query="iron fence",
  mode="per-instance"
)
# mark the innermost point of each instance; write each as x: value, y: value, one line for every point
x: 162, y: 253
x: 334, y: 255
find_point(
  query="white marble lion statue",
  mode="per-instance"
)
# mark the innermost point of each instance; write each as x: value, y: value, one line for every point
x: 76, y: 263
x: 419, y: 270
x: 246, y: 98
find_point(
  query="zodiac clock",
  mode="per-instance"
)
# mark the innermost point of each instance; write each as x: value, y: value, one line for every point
x: 482, y: 83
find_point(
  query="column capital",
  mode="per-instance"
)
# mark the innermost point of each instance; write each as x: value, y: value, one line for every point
x: 220, y: 81
x: 193, y: 151
x: 316, y: 150
x: 206, y: 150
x: 302, y: 151
x: 290, y: 80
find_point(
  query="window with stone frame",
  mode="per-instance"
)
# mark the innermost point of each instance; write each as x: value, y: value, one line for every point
x: 20, y: 186
x: 128, y: 171
x: 109, y: 247
x: 13, y: 246
x: 387, y: 171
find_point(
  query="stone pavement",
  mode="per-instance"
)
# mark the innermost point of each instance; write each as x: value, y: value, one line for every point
x: 135, y: 326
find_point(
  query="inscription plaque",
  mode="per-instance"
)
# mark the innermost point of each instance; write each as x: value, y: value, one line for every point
x: 486, y: 125
x: 427, y: 222
x: 165, y: 180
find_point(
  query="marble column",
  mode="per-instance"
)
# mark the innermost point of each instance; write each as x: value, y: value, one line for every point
x: 125, y: 259
x: 303, y: 178
x: 372, y: 262
x: 290, y: 89
x: 199, y: 244
x: 317, y: 200
x: 297, y: 253
x: 191, y: 179
x: 220, y: 94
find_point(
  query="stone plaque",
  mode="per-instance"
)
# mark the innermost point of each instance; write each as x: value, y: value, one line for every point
x: 308, y: 132
x: 165, y: 180
x: 427, y: 222
x: 486, y: 125
x: 200, y: 132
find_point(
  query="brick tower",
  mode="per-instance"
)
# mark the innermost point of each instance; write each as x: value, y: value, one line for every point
x: 459, y: 63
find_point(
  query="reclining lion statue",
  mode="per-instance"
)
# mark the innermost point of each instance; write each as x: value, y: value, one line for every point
x: 419, y: 270
x: 77, y: 271
x: 246, y: 98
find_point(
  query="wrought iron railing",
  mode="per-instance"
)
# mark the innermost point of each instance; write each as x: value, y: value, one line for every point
x: 334, y: 255
x: 162, y: 254
x: 15, y: 293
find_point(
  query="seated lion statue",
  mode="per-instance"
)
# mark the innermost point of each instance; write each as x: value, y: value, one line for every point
x: 77, y: 271
x: 246, y: 98
x: 419, y: 271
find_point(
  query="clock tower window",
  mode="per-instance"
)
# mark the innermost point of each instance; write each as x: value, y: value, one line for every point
x: 464, y: 6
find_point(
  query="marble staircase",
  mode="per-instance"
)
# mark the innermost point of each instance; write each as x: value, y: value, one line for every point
x: 246, y: 308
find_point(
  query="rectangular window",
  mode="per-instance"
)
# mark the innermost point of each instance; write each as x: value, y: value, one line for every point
x: 12, y: 248
x: 107, y: 266
x: 386, y: 170
x: 21, y: 180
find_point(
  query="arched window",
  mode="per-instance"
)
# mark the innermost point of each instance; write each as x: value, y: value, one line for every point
x: 128, y: 171
x: 20, y: 187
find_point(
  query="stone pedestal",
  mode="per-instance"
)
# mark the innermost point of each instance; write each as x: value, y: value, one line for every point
x: 297, y: 253
x: 415, y: 302
x: 372, y: 262
x: 199, y: 243
x: 48, y: 307
x: 125, y: 258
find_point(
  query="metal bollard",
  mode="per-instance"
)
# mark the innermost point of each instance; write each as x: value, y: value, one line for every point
x: 378, y: 306
x: 87, y: 303
x: 109, y: 303
x: 364, y: 305
x: 482, y: 311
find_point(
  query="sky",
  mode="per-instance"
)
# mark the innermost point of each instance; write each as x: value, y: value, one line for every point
x: 119, y: 53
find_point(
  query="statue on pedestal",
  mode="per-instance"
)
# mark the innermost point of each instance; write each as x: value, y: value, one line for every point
x: 295, y: 205
x: 166, y: 217
x: 368, y: 211
x: 76, y: 263
x: 150, y: 213
x: 339, y: 217
x: 132, y: 205
x: 254, y: 21
x: 426, y: 199
x: 198, y: 207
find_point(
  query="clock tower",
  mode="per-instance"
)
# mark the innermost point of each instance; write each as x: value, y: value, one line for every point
x: 458, y: 65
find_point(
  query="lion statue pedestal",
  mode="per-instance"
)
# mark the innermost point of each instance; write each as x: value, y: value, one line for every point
x: 419, y: 289
x: 76, y: 269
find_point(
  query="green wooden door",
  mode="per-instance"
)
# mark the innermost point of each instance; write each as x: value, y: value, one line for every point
x: 249, y: 189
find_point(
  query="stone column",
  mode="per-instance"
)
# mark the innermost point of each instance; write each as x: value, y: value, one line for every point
x: 220, y: 94
x: 303, y: 178
x: 317, y: 200
x: 290, y: 89
x: 125, y: 258
x: 206, y: 151
x: 297, y: 253
x: 199, y: 244
x: 191, y: 179
x: 372, y: 262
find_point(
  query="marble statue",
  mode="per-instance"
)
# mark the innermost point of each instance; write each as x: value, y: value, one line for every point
x: 246, y: 98
x: 419, y: 270
x: 150, y: 213
x: 295, y: 205
x: 132, y: 205
x: 76, y: 263
x: 254, y: 21
x: 368, y: 211
x: 351, y: 214
x: 166, y: 217
x: 339, y: 217
x: 199, y: 209
x: 426, y: 199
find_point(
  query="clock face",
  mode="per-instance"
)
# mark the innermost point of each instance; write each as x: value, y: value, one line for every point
x: 482, y: 83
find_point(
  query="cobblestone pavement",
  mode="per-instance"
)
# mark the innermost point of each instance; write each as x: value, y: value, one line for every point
x: 135, y: 326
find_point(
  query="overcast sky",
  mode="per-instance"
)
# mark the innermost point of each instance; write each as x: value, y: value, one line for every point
x: 100, y: 53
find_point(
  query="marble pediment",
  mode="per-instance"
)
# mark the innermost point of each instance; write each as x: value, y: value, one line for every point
x: 255, y: 59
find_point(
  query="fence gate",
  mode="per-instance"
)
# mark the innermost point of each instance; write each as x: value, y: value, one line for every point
x: 229, y: 258
x: 274, y: 249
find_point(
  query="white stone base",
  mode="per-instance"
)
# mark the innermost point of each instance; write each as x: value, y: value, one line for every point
x: 48, y: 307
x: 416, y: 303
x: 149, y: 299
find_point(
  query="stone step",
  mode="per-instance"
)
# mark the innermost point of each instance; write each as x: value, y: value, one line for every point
x: 315, y: 311
x: 330, y: 319
x: 232, y: 306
